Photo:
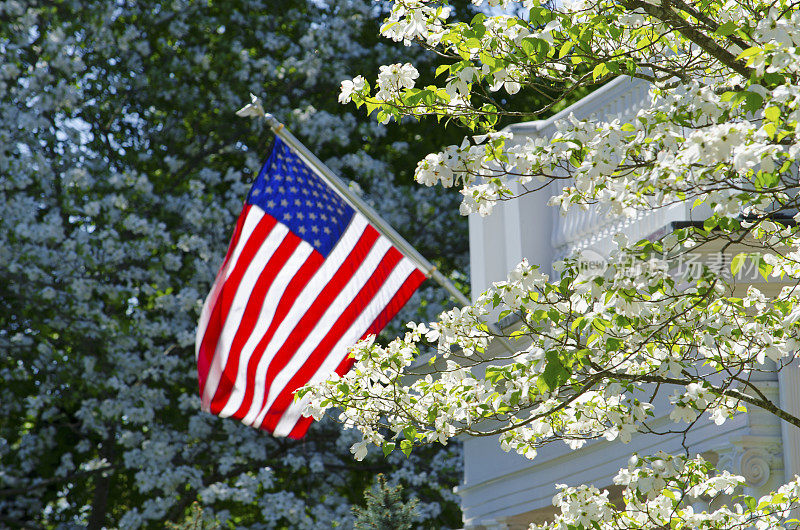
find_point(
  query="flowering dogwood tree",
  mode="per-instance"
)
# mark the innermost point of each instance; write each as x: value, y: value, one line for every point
x: 122, y: 171
x: 594, y: 349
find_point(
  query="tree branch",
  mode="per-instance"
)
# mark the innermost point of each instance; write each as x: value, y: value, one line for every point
x: 765, y: 404
x: 706, y: 43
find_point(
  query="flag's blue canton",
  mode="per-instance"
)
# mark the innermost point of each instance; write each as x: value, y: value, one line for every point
x: 291, y: 193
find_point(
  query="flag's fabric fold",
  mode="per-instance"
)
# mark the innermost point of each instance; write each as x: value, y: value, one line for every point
x: 305, y: 277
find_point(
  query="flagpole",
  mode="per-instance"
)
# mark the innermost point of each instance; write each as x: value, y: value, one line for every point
x: 255, y: 109
x: 359, y: 204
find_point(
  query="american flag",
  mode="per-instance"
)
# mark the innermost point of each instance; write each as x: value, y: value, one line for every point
x: 305, y: 277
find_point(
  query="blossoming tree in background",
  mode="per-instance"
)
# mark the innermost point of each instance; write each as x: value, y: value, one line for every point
x: 594, y: 349
x: 122, y: 171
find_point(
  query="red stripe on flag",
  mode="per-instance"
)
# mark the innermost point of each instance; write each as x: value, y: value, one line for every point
x: 395, y: 304
x: 237, y: 233
x: 326, y: 345
x: 224, y: 300
x: 216, y: 288
x: 301, y: 427
x: 308, y: 320
x: 250, y: 316
x: 293, y: 289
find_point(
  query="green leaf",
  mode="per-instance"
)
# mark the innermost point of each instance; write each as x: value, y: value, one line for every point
x: 727, y: 28
x: 599, y: 71
x: 478, y: 19
x: 764, y: 268
x: 494, y: 375
x: 388, y: 447
x: 730, y: 224
x: 737, y: 262
x: 773, y: 79
x: 772, y: 113
x: 406, y: 447
x: 565, y: 48
x: 750, y: 502
x: 539, y: 16
x: 442, y: 68
x: 749, y: 52
x: 767, y: 180
x: 491, y: 115
x: 535, y: 48
x: 410, y: 433
x: 412, y: 96
x: 753, y: 101
x: 490, y: 60
x: 555, y: 373
x: 541, y: 385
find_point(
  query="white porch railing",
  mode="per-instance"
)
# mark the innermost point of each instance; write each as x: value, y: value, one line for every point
x: 592, y: 228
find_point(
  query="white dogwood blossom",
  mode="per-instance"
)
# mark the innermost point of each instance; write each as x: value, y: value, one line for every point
x: 592, y: 353
x: 123, y: 168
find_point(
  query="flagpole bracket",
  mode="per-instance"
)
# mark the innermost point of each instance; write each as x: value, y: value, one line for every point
x: 273, y: 122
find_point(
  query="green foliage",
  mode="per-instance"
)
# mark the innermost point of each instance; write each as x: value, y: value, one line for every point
x: 122, y: 170
x: 195, y: 520
x: 385, y: 508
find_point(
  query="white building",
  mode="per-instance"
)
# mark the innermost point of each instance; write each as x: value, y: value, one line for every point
x: 506, y: 491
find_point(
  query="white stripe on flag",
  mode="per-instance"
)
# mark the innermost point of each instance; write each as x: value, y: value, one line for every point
x: 325, y: 323
x: 254, y: 215
x: 270, y: 303
x: 298, y: 309
x: 387, y: 291
x: 234, y: 317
